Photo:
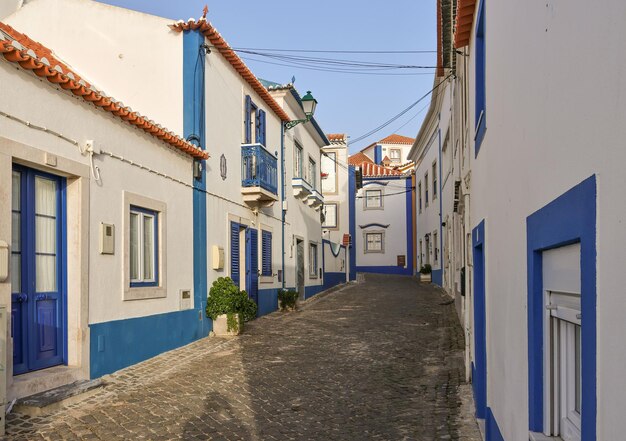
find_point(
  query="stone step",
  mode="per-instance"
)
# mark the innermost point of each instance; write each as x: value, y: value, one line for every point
x: 53, y: 399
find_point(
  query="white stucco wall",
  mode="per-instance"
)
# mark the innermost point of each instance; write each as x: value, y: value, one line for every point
x: 131, y: 56
x: 392, y: 214
x: 552, y: 121
x: 340, y: 195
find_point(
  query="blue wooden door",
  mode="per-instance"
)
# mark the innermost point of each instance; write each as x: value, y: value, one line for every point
x: 479, y: 367
x: 252, y: 264
x: 38, y: 268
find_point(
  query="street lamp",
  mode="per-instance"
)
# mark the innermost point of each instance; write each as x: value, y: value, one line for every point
x: 308, y: 105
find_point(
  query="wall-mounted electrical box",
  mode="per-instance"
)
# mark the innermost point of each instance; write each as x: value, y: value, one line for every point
x: 107, y: 238
x: 4, y: 261
x: 185, y: 299
x: 217, y: 257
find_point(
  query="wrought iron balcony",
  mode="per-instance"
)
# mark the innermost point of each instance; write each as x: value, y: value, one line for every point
x: 259, y: 175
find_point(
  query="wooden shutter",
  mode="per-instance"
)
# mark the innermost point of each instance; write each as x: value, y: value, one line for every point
x: 266, y: 253
x: 234, y: 252
x: 247, y: 120
x: 262, y: 129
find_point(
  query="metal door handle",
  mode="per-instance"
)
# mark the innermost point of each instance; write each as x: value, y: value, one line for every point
x: 22, y: 298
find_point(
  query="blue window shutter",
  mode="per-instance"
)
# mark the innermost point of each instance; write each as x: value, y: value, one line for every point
x: 253, y: 287
x: 247, y: 120
x: 262, y: 129
x: 234, y: 252
x: 257, y: 126
x: 266, y: 253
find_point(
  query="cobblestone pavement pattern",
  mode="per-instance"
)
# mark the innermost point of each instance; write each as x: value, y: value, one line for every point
x: 380, y: 360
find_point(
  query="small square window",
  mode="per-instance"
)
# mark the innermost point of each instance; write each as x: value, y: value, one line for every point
x: 374, y: 242
x: 373, y: 198
x: 395, y: 155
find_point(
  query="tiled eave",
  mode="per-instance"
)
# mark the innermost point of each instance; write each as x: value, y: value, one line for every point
x: 464, y: 23
x: 222, y: 46
x: 19, y: 49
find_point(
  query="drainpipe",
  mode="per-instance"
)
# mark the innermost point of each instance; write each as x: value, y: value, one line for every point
x: 282, y: 199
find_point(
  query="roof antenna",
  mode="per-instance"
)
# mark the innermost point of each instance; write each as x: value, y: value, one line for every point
x: 293, y: 79
x: 205, y: 11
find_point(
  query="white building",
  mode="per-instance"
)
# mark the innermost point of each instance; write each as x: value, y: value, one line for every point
x: 542, y: 210
x: 393, y: 150
x: 229, y: 212
x: 384, y: 215
x: 97, y: 208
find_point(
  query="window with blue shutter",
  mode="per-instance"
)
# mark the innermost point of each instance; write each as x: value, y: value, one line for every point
x: 261, y: 129
x: 253, y: 116
x: 234, y: 252
x: 480, y: 66
x: 266, y: 253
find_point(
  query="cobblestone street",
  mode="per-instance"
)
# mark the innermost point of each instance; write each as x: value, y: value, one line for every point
x: 378, y: 360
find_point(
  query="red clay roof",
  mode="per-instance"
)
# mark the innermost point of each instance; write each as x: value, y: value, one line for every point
x: 31, y: 55
x: 464, y: 22
x: 359, y: 158
x: 336, y: 137
x: 396, y: 139
x: 222, y: 46
x: 371, y: 170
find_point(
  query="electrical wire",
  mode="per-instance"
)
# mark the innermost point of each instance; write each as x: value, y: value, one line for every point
x: 399, y: 115
x: 387, y: 194
x: 337, y: 51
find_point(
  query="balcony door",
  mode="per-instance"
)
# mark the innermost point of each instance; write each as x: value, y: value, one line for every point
x: 38, y: 318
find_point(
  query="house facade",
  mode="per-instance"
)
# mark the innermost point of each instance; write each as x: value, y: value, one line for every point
x: 393, y: 150
x: 383, y: 238
x: 536, y: 213
x: 146, y: 214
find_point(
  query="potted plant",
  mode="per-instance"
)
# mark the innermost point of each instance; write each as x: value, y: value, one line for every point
x: 426, y: 273
x: 229, y: 307
x: 288, y: 299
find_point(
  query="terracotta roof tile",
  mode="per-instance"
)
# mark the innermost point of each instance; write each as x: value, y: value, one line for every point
x: 359, y: 158
x: 337, y: 137
x: 396, y: 139
x: 30, y: 55
x: 464, y: 22
x: 223, y: 47
x: 371, y: 170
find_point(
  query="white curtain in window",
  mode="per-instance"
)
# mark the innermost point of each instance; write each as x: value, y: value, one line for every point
x: 134, y: 246
x: 45, y: 234
x: 148, y: 247
x: 374, y: 242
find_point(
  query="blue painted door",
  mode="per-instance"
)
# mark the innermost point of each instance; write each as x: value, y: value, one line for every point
x: 38, y: 268
x: 479, y: 368
x: 252, y: 264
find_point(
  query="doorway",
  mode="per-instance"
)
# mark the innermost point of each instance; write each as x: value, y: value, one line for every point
x: 38, y: 268
x: 300, y: 268
x: 244, y: 259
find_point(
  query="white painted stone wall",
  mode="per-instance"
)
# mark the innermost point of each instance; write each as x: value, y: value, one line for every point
x: 554, y: 118
x: 393, y: 214
x: 340, y: 195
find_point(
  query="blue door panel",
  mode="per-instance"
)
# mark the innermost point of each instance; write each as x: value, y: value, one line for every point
x: 38, y: 319
x: 479, y: 368
x: 252, y: 264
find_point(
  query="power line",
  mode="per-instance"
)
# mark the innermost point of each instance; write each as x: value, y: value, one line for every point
x: 336, y: 51
x: 386, y: 194
x: 386, y: 123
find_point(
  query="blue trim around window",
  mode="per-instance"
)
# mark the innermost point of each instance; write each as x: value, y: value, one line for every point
x: 570, y: 218
x: 479, y: 367
x: 480, y: 67
x: 155, y: 228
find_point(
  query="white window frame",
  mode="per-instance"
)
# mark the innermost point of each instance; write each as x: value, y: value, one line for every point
x: 312, y: 172
x: 145, y: 292
x: 435, y: 247
x: 366, y: 249
x: 434, y: 178
x: 313, y: 260
x: 376, y: 207
x: 153, y: 216
x: 562, y: 321
x: 399, y: 158
x: 335, y: 205
x: 298, y: 161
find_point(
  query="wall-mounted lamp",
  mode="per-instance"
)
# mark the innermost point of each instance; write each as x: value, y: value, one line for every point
x: 308, y: 105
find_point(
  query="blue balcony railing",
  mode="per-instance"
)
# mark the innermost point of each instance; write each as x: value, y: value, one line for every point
x: 259, y: 168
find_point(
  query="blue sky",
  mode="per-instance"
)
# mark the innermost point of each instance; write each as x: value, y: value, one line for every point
x: 348, y: 103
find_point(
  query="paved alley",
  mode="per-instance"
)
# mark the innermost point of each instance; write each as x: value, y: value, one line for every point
x: 377, y: 360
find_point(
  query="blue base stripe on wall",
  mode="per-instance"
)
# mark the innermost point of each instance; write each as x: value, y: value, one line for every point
x: 122, y: 343
x: 385, y: 270
x: 492, y: 431
x: 437, y: 277
x: 268, y: 301
x: 310, y: 291
x: 333, y: 279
